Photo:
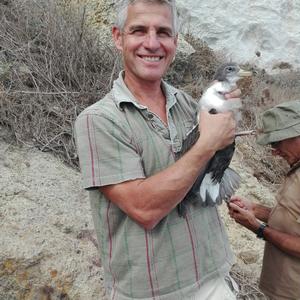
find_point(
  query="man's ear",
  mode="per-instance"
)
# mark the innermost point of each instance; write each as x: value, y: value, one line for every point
x: 117, y: 37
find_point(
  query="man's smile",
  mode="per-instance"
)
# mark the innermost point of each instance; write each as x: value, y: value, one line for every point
x: 151, y: 58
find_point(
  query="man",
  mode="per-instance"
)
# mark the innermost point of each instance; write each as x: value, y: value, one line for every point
x: 280, y: 275
x: 127, y: 144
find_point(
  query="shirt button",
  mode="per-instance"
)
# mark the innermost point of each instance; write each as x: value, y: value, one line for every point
x: 153, y: 125
x: 150, y: 116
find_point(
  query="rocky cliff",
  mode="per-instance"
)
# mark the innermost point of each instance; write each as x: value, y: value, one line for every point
x: 263, y: 32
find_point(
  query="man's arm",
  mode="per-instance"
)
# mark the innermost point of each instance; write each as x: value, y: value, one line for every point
x: 288, y: 243
x: 262, y: 212
x: 148, y: 200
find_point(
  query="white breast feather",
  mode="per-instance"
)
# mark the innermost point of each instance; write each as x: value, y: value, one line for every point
x: 213, y: 99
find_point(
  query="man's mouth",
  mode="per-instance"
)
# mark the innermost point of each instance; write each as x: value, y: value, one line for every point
x: 151, y: 58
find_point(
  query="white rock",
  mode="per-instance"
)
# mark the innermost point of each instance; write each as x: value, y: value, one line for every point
x: 242, y: 28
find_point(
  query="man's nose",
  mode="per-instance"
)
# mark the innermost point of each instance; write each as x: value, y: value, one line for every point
x: 152, y: 41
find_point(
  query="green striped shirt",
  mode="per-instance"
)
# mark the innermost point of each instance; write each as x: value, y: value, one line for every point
x: 118, y: 140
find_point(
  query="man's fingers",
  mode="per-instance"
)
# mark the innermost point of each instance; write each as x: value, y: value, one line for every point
x: 236, y: 207
x: 232, y: 99
x: 233, y: 94
x: 235, y: 198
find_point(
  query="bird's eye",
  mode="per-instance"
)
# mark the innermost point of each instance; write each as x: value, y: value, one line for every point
x: 230, y: 69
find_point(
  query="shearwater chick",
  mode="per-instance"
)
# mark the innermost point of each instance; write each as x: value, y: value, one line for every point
x: 220, y: 181
x: 217, y: 182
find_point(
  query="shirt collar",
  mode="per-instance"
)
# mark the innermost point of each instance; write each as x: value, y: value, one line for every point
x: 123, y: 95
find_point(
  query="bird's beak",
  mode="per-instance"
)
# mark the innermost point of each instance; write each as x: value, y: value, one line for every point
x: 243, y: 73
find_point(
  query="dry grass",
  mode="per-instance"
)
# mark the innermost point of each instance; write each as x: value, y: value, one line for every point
x: 194, y: 73
x: 260, y: 93
x: 52, y: 68
x: 248, y: 286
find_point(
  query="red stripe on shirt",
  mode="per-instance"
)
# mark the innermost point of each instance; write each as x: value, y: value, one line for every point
x: 97, y: 157
x: 91, y: 149
x: 193, y: 248
x: 148, y: 265
x: 155, y: 268
x: 110, y: 248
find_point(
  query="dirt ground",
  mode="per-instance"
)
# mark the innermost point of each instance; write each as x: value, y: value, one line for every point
x: 48, y: 248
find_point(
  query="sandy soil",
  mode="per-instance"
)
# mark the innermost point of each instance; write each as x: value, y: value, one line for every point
x: 48, y: 248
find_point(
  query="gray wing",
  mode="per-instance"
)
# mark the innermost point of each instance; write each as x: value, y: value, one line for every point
x: 229, y: 181
x: 187, y: 143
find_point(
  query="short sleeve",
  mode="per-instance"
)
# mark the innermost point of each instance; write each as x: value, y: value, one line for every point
x: 106, y: 151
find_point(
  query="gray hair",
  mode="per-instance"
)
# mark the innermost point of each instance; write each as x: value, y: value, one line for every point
x: 122, y: 9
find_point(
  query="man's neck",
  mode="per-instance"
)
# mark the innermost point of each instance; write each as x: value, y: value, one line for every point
x: 143, y: 90
x: 148, y: 93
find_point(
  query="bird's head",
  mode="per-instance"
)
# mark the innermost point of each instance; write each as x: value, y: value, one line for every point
x: 230, y: 73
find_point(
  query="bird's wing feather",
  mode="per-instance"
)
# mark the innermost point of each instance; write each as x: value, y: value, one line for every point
x: 229, y: 184
x: 220, y: 162
x: 191, y: 138
x: 193, y: 193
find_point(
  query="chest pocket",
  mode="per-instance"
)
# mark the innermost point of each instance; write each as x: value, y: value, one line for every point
x: 154, y: 149
x: 189, y: 136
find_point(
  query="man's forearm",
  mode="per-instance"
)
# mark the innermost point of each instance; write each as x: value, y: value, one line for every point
x: 149, y: 200
x: 169, y: 187
x: 262, y: 212
x: 173, y: 183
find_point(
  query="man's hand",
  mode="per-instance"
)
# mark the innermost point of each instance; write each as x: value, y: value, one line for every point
x: 288, y: 243
x: 243, y: 203
x: 242, y: 212
x: 260, y: 211
x: 234, y: 94
x: 217, y: 131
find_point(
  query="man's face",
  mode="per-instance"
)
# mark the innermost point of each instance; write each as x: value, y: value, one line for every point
x: 288, y: 149
x: 147, y: 42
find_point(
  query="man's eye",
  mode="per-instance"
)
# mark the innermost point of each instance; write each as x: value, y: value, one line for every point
x: 138, y: 32
x: 164, y: 34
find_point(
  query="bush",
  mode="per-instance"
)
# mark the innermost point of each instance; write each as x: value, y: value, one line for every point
x: 53, y: 66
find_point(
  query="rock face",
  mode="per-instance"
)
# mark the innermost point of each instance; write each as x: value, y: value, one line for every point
x: 263, y: 32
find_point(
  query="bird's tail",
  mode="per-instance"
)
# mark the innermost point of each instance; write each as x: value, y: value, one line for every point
x: 229, y: 184
x: 213, y: 193
x: 209, y: 190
